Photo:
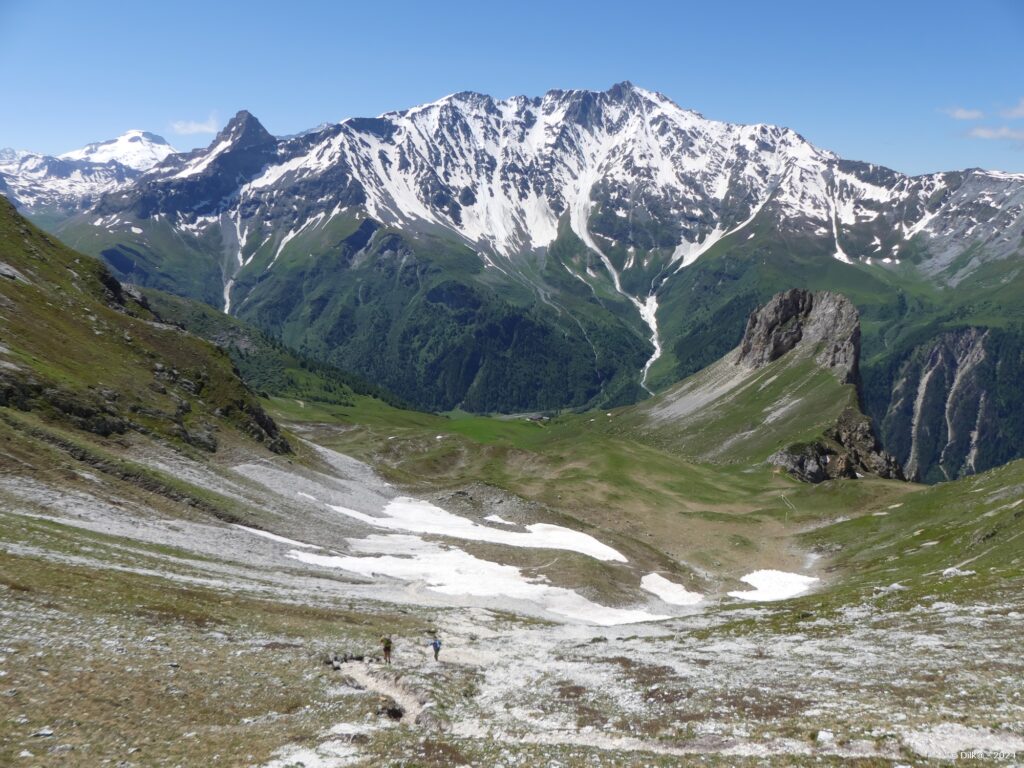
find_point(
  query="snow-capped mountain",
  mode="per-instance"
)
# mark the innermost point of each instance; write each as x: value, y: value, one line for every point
x: 135, y: 149
x: 9, y: 156
x: 647, y: 186
x: 618, y: 222
x: 72, y: 182
x: 627, y: 169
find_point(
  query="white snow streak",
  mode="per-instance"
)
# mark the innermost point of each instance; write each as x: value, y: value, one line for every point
x: 415, y: 515
x: 451, y: 571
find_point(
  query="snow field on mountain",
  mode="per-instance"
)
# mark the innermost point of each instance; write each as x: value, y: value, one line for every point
x: 669, y: 591
x: 135, y: 149
x: 275, y: 537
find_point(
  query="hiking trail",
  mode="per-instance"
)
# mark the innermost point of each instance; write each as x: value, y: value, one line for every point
x: 393, y: 689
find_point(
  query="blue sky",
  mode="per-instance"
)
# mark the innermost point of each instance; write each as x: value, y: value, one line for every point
x: 917, y: 86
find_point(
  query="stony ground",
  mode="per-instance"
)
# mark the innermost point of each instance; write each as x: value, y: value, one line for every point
x: 875, y: 684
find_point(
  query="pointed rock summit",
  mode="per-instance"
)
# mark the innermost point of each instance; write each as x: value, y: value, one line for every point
x: 825, y: 326
x: 244, y: 131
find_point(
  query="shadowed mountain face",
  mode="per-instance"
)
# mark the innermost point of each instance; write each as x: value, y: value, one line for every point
x: 956, y: 403
x: 577, y: 249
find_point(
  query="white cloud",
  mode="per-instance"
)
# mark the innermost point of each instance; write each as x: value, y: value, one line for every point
x: 1017, y: 111
x: 189, y: 127
x: 960, y: 113
x: 1003, y: 132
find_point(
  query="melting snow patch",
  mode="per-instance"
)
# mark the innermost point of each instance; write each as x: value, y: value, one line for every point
x: 894, y: 587
x: 499, y: 520
x: 669, y: 591
x: 275, y: 537
x: 450, y: 571
x: 774, y: 585
x: 414, y: 515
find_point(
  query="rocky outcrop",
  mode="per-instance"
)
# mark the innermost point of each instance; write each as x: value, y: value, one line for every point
x: 823, y: 324
x: 86, y: 411
x: 850, y: 449
x: 861, y: 449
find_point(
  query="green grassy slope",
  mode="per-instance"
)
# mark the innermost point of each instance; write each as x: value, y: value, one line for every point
x: 81, y: 352
x: 416, y: 313
x: 612, y: 470
x: 973, y: 524
x: 162, y: 258
x: 748, y: 414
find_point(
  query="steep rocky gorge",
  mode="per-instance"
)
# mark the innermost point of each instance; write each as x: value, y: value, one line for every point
x: 952, y: 405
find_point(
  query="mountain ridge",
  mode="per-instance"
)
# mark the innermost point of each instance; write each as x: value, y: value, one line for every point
x: 61, y: 185
x: 626, y: 237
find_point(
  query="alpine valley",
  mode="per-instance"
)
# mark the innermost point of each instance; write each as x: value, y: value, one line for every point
x: 581, y: 249
x: 625, y: 407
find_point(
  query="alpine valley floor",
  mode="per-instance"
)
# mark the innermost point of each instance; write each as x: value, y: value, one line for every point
x: 141, y: 629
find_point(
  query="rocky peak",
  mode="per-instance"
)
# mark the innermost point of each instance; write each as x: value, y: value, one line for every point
x: 244, y: 131
x: 823, y: 324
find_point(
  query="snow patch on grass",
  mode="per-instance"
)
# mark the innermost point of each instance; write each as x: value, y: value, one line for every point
x: 275, y: 537
x: 417, y: 516
x: 450, y: 571
x: 774, y: 585
x: 499, y: 520
x: 669, y: 591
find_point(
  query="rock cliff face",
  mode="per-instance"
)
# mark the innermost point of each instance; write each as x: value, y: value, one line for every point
x: 822, y: 323
x: 954, y: 405
x: 826, y: 326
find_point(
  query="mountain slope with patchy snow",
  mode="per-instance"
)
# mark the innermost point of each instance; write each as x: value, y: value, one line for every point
x: 68, y: 183
x: 625, y: 235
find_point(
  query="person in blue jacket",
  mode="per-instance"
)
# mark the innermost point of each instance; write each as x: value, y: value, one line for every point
x: 436, y: 645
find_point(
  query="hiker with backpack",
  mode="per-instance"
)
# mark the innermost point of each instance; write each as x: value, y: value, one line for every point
x: 386, y: 644
x: 436, y: 645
